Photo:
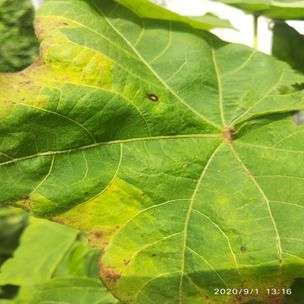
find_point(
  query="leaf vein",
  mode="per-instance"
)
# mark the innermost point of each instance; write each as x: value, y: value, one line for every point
x: 187, y: 220
x: 251, y: 176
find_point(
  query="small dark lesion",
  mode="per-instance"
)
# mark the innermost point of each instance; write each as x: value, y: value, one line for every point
x: 243, y: 249
x: 126, y: 262
x: 97, y: 234
x: 153, y: 97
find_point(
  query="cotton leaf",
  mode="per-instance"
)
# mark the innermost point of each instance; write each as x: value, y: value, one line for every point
x: 177, y: 153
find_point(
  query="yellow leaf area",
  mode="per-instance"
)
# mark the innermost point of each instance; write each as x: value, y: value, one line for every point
x: 61, y: 62
x: 107, y: 212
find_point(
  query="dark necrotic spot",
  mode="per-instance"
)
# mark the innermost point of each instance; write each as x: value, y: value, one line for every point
x: 152, y: 97
x: 243, y: 249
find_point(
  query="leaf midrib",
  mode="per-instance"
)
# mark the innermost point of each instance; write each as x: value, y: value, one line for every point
x: 113, y: 142
x: 188, y: 217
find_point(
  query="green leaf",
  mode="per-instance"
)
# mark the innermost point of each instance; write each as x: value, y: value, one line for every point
x: 177, y: 152
x: 18, y: 44
x: 276, y: 9
x: 67, y: 291
x: 147, y: 9
x: 55, y: 243
x: 288, y: 45
x: 12, y: 223
x: 54, y: 264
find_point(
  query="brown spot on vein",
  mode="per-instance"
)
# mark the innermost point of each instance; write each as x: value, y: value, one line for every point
x: 228, y: 134
x: 109, y: 274
x: 153, y: 97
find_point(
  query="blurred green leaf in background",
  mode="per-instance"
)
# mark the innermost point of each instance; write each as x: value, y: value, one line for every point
x: 12, y: 223
x: 18, y: 44
x: 54, y: 264
x: 276, y: 9
x: 148, y: 9
x: 18, y: 49
x: 288, y: 45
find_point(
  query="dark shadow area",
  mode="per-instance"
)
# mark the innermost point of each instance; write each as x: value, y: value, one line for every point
x: 8, y: 291
x: 254, y: 285
x: 297, y: 296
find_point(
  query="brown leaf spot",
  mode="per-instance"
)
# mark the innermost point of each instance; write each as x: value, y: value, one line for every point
x: 97, y: 238
x: 153, y: 97
x: 25, y: 203
x: 97, y: 234
x: 109, y: 273
x: 228, y: 134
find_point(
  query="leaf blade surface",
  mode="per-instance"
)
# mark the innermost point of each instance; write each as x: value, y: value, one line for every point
x: 136, y: 133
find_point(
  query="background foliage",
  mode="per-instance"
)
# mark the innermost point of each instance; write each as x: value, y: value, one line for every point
x: 18, y: 44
